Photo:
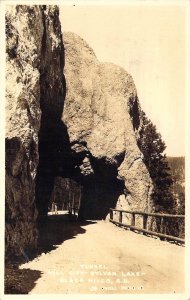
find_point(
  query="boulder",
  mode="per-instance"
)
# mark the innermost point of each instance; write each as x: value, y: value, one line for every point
x: 102, y: 112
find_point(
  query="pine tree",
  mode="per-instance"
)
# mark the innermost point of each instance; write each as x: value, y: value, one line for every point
x: 152, y: 146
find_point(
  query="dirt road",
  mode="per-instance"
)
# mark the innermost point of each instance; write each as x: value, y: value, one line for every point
x: 98, y: 257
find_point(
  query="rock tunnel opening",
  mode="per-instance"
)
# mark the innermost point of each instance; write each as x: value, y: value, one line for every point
x: 91, y: 201
x: 58, y: 157
x: 69, y: 175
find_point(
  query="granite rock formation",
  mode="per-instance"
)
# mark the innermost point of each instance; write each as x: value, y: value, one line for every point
x: 92, y: 142
x: 102, y: 114
x: 35, y: 90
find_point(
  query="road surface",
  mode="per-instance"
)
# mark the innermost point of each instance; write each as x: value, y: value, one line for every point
x: 99, y: 257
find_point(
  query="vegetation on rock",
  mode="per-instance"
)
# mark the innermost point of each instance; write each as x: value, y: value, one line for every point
x: 167, y: 175
x: 152, y: 146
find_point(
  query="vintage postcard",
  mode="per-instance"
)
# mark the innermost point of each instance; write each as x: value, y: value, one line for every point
x: 94, y: 95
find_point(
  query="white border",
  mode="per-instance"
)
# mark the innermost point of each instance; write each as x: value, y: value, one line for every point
x: 186, y: 4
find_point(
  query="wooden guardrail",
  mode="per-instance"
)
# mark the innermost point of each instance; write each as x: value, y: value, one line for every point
x: 144, y: 230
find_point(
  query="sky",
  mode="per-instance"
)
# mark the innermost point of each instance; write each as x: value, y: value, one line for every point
x: 148, y: 41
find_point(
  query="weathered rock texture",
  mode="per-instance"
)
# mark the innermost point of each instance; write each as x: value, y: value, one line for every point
x: 99, y: 151
x: 102, y: 114
x: 34, y: 91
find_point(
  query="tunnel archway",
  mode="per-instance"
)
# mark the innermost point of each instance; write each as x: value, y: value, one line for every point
x: 67, y: 166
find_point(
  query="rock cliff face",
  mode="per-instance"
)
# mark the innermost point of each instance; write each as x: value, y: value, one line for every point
x: 34, y: 92
x: 102, y: 113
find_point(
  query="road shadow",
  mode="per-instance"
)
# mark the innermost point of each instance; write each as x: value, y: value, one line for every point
x: 19, y: 281
x: 55, y: 229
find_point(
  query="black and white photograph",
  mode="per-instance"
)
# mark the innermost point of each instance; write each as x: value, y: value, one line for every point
x: 95, y: 148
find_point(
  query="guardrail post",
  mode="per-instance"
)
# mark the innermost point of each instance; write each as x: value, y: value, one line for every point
x: 145, y: 217
x: 120, y: 217
x: 162, y: 227
x: 132, y: 219
x: 111, y: 214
